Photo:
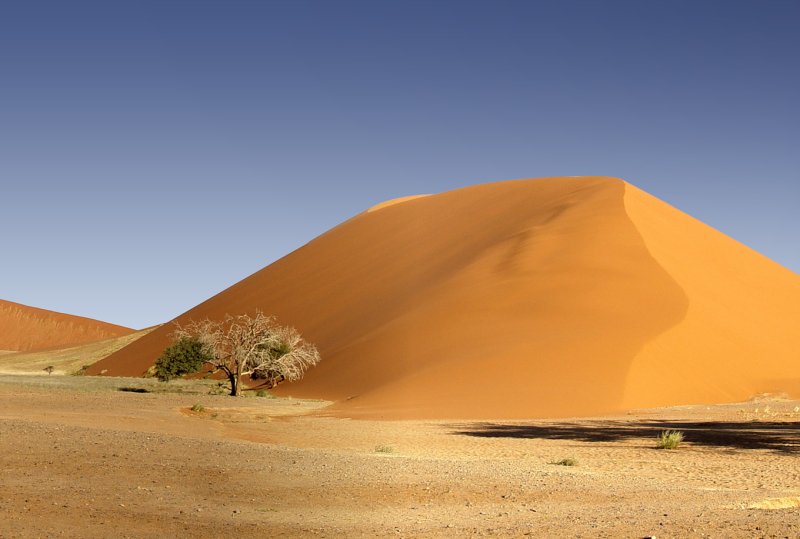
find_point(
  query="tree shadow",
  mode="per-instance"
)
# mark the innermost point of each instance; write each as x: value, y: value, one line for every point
x: 777, y: 436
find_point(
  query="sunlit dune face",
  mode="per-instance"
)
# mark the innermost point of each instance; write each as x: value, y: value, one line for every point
x: 528, y: 298
x: 24, y: 328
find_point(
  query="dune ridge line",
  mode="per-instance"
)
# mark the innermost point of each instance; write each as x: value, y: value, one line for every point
x: 547, y: 297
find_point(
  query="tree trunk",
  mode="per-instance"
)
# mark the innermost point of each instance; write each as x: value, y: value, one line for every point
x: 234, y: 380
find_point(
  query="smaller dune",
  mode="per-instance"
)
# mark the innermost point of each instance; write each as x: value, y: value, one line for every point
x: 67, y: 360
x: 27, y: 328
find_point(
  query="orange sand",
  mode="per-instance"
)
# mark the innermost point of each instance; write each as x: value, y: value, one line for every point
x: 24, y: 328
x: 529, y: 298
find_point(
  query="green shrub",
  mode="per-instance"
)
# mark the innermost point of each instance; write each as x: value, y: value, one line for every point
x: 670, y: 439
x: 187, y: 355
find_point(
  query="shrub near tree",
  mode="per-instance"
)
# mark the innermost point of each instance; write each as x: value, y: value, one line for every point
x: 185, y: 356
x: 240, y: 346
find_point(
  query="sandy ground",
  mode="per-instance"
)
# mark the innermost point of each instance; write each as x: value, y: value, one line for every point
x: 81, y: 459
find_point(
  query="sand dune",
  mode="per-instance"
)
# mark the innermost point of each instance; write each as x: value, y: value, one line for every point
x: 24, y: 328
x: 392, y: 202
x: 529, y: 298
x: 68, y: 360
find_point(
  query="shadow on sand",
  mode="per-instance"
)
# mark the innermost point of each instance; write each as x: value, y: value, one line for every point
x: 776, y: 436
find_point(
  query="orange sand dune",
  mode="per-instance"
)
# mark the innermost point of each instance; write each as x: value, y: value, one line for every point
x: 24, y: 328
x: 529, y: 298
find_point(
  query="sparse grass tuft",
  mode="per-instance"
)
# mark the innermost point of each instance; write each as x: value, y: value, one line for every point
x: 670, y: 439
x: 384, y: 449
x: 566, y: 462
x: 264, y: 393
x: 219, y: 389
x: 198, y: 407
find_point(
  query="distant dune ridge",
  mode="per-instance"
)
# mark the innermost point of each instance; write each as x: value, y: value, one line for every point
x: 522, y: 299
x: 24, y: 328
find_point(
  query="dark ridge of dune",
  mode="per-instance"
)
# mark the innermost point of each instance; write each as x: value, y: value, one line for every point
x: 527, y: 298
x: 25, y: 329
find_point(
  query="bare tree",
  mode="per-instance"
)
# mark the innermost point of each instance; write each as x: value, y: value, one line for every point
x: 252, y: 345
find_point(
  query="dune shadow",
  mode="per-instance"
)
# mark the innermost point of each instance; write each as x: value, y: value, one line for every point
x: 777, y: 436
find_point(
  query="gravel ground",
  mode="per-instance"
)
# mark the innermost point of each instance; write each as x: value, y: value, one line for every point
x: 81, y: 459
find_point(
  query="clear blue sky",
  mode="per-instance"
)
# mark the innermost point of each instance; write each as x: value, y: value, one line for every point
x: 154, y: 153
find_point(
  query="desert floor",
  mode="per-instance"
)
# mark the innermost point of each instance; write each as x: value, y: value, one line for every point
x: 79, y: 458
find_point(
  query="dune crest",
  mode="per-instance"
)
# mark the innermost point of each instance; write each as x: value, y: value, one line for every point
x: 394, y: 201
x: 24, y: 328
x: 526, y: 298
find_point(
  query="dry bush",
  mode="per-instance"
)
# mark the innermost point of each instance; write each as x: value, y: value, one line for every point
x: 252, y: 345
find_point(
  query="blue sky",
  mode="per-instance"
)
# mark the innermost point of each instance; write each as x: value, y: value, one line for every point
x: 154, y: 153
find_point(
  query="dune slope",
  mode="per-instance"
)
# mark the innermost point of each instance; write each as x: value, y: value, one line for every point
x: 67, y: 360
x: 24, y: 328
x: 741, y: 333
x: 528, y: 298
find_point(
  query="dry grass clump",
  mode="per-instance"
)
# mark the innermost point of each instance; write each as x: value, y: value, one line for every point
x: 566, y: 462
x: 384, y: 449
x: 670, y: 439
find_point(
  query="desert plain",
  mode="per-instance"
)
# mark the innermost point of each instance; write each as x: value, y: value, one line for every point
x: 80, y: 458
